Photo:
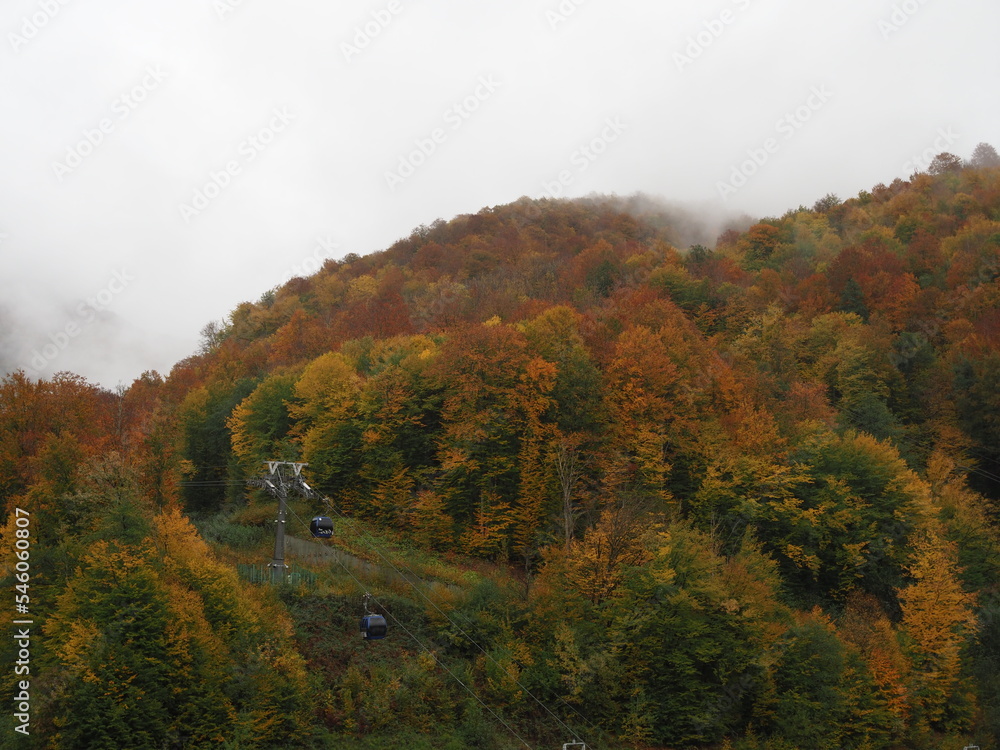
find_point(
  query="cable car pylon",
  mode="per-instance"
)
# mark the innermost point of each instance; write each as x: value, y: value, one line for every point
x: 277, y: 483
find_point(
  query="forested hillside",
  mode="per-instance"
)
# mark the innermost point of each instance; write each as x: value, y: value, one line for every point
x: 737, y: 496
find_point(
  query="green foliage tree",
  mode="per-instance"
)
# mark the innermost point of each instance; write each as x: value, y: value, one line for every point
x: 325, y: 411
x: 806, y: 705
x: 110, y: 627
x: 205, y: 437
x: 260, y: 424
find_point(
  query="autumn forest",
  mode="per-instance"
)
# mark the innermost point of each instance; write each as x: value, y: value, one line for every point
x: 605, y: 482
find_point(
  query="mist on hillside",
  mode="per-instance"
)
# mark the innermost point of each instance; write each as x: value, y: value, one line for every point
x: 686, y: 223
x: 87, y: 335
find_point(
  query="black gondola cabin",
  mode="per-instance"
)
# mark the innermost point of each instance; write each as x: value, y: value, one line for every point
x: 322, y: 527
x: 373, y: 627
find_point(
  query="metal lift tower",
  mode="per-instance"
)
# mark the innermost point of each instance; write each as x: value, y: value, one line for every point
x: 282, y: 475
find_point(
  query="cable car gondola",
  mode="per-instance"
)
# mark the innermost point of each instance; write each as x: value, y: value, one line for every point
x: 322, y: 527
x: 373, y: 626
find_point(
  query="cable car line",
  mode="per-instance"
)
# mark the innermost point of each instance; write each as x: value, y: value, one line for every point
x: 416, y: 640
x: 982, y: 472
x: 978, y: 452
x: 208, y: 483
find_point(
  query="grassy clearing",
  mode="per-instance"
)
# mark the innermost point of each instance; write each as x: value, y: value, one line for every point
x: 353, y: 536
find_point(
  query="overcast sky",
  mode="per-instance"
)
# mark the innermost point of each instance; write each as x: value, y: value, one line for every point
x: 163, y: 162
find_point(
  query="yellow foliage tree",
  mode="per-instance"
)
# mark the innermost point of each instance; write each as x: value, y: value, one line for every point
x: 538, y: 379
x: 937, y: 616
x: 431, y: 525
x: 596, y: 565
x: 176, y: 537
